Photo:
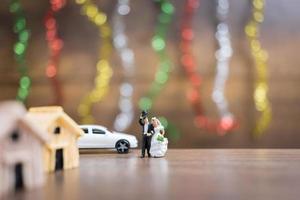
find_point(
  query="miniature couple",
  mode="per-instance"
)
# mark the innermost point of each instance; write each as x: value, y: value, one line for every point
x: 153, y: 136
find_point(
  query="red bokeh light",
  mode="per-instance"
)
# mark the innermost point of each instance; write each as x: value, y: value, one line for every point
x: 50, y: 23
x: 55, y: 45
x: 193, y: 3
x: 187, y: 34
x: 193, y: 95
x: 51, y: 71
x: 221, y: 127
x: 195, y: 79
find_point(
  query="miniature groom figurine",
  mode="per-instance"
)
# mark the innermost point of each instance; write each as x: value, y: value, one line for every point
x: 147, y: 132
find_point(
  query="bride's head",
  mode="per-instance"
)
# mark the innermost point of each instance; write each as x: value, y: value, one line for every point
x: 155, y: 122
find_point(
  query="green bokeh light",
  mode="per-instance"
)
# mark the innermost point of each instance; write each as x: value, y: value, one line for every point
x: 24, y: 82
x: 165, y: 66
x: 19, y: 48
x: 24, y: 36
x: 167, y: 7
x: 145, y: 103
x: 161, y: 31
x: 154, y: 90
x: 158, y: 43
x: 163, y: 121
x: 22, y: 93
x: 161, y: 77
x: 173, y: 133
x: 20, y: 25
x: 14, y: 7
x: 163, y: 18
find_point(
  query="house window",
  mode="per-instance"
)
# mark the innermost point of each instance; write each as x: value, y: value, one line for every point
x: 15, y: 136
x: 57, y: 130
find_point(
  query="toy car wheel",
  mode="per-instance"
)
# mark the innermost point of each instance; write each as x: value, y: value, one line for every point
x: 122, y: 146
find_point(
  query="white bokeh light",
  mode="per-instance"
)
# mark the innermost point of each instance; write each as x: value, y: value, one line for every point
x: 125, y: 116
x: 223, y: 55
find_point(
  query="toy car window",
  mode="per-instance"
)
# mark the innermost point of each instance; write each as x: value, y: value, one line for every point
x: 98, y: 131
x: 85, y: 130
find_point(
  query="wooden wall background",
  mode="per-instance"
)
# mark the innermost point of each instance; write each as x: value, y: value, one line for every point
x: 280, y: 36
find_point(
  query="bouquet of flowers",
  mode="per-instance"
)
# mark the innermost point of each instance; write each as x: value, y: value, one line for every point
x: 160, y: 138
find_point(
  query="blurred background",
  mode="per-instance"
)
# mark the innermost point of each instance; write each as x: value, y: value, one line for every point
x: 280, y: 36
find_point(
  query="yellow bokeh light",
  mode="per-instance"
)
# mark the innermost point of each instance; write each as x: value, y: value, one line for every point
x: 100, y: 19
x: 91, y: 11
x: 260, y: 56
x: 259, y: 4
x: 80, y: 1
x: 104, y: 71
x: 258, y: 16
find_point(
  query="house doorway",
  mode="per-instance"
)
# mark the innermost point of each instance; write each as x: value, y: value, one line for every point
x: 19, y: 182
x: 59, y: 159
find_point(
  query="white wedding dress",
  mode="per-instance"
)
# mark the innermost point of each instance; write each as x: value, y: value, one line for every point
x: 158, y: 148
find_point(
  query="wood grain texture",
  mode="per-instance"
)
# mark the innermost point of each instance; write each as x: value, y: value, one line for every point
x: 280, y: 36
x: 262, y: 174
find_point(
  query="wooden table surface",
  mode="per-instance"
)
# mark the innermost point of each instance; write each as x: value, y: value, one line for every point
x: 183, y: 174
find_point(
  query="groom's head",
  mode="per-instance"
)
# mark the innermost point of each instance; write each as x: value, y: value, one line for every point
x: 144, y: 114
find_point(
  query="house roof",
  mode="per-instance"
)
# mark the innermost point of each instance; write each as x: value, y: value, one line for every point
x: 45, y: 116
x: 12, y: 112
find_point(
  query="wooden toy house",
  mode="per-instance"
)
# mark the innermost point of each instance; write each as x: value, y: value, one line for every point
x: 61, y: 151
x: 21, y: 149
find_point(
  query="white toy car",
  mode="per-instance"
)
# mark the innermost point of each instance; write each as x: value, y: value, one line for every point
x: 100, y: 137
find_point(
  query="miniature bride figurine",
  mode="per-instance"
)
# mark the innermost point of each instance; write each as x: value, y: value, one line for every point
x: 159, y: 144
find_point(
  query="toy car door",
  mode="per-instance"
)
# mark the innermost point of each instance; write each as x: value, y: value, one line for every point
x: 100, y: 138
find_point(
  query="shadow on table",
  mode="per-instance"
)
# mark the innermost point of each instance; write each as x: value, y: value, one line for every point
x: 97, y: 151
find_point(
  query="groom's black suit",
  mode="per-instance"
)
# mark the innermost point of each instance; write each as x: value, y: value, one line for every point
x: 146, y: 142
